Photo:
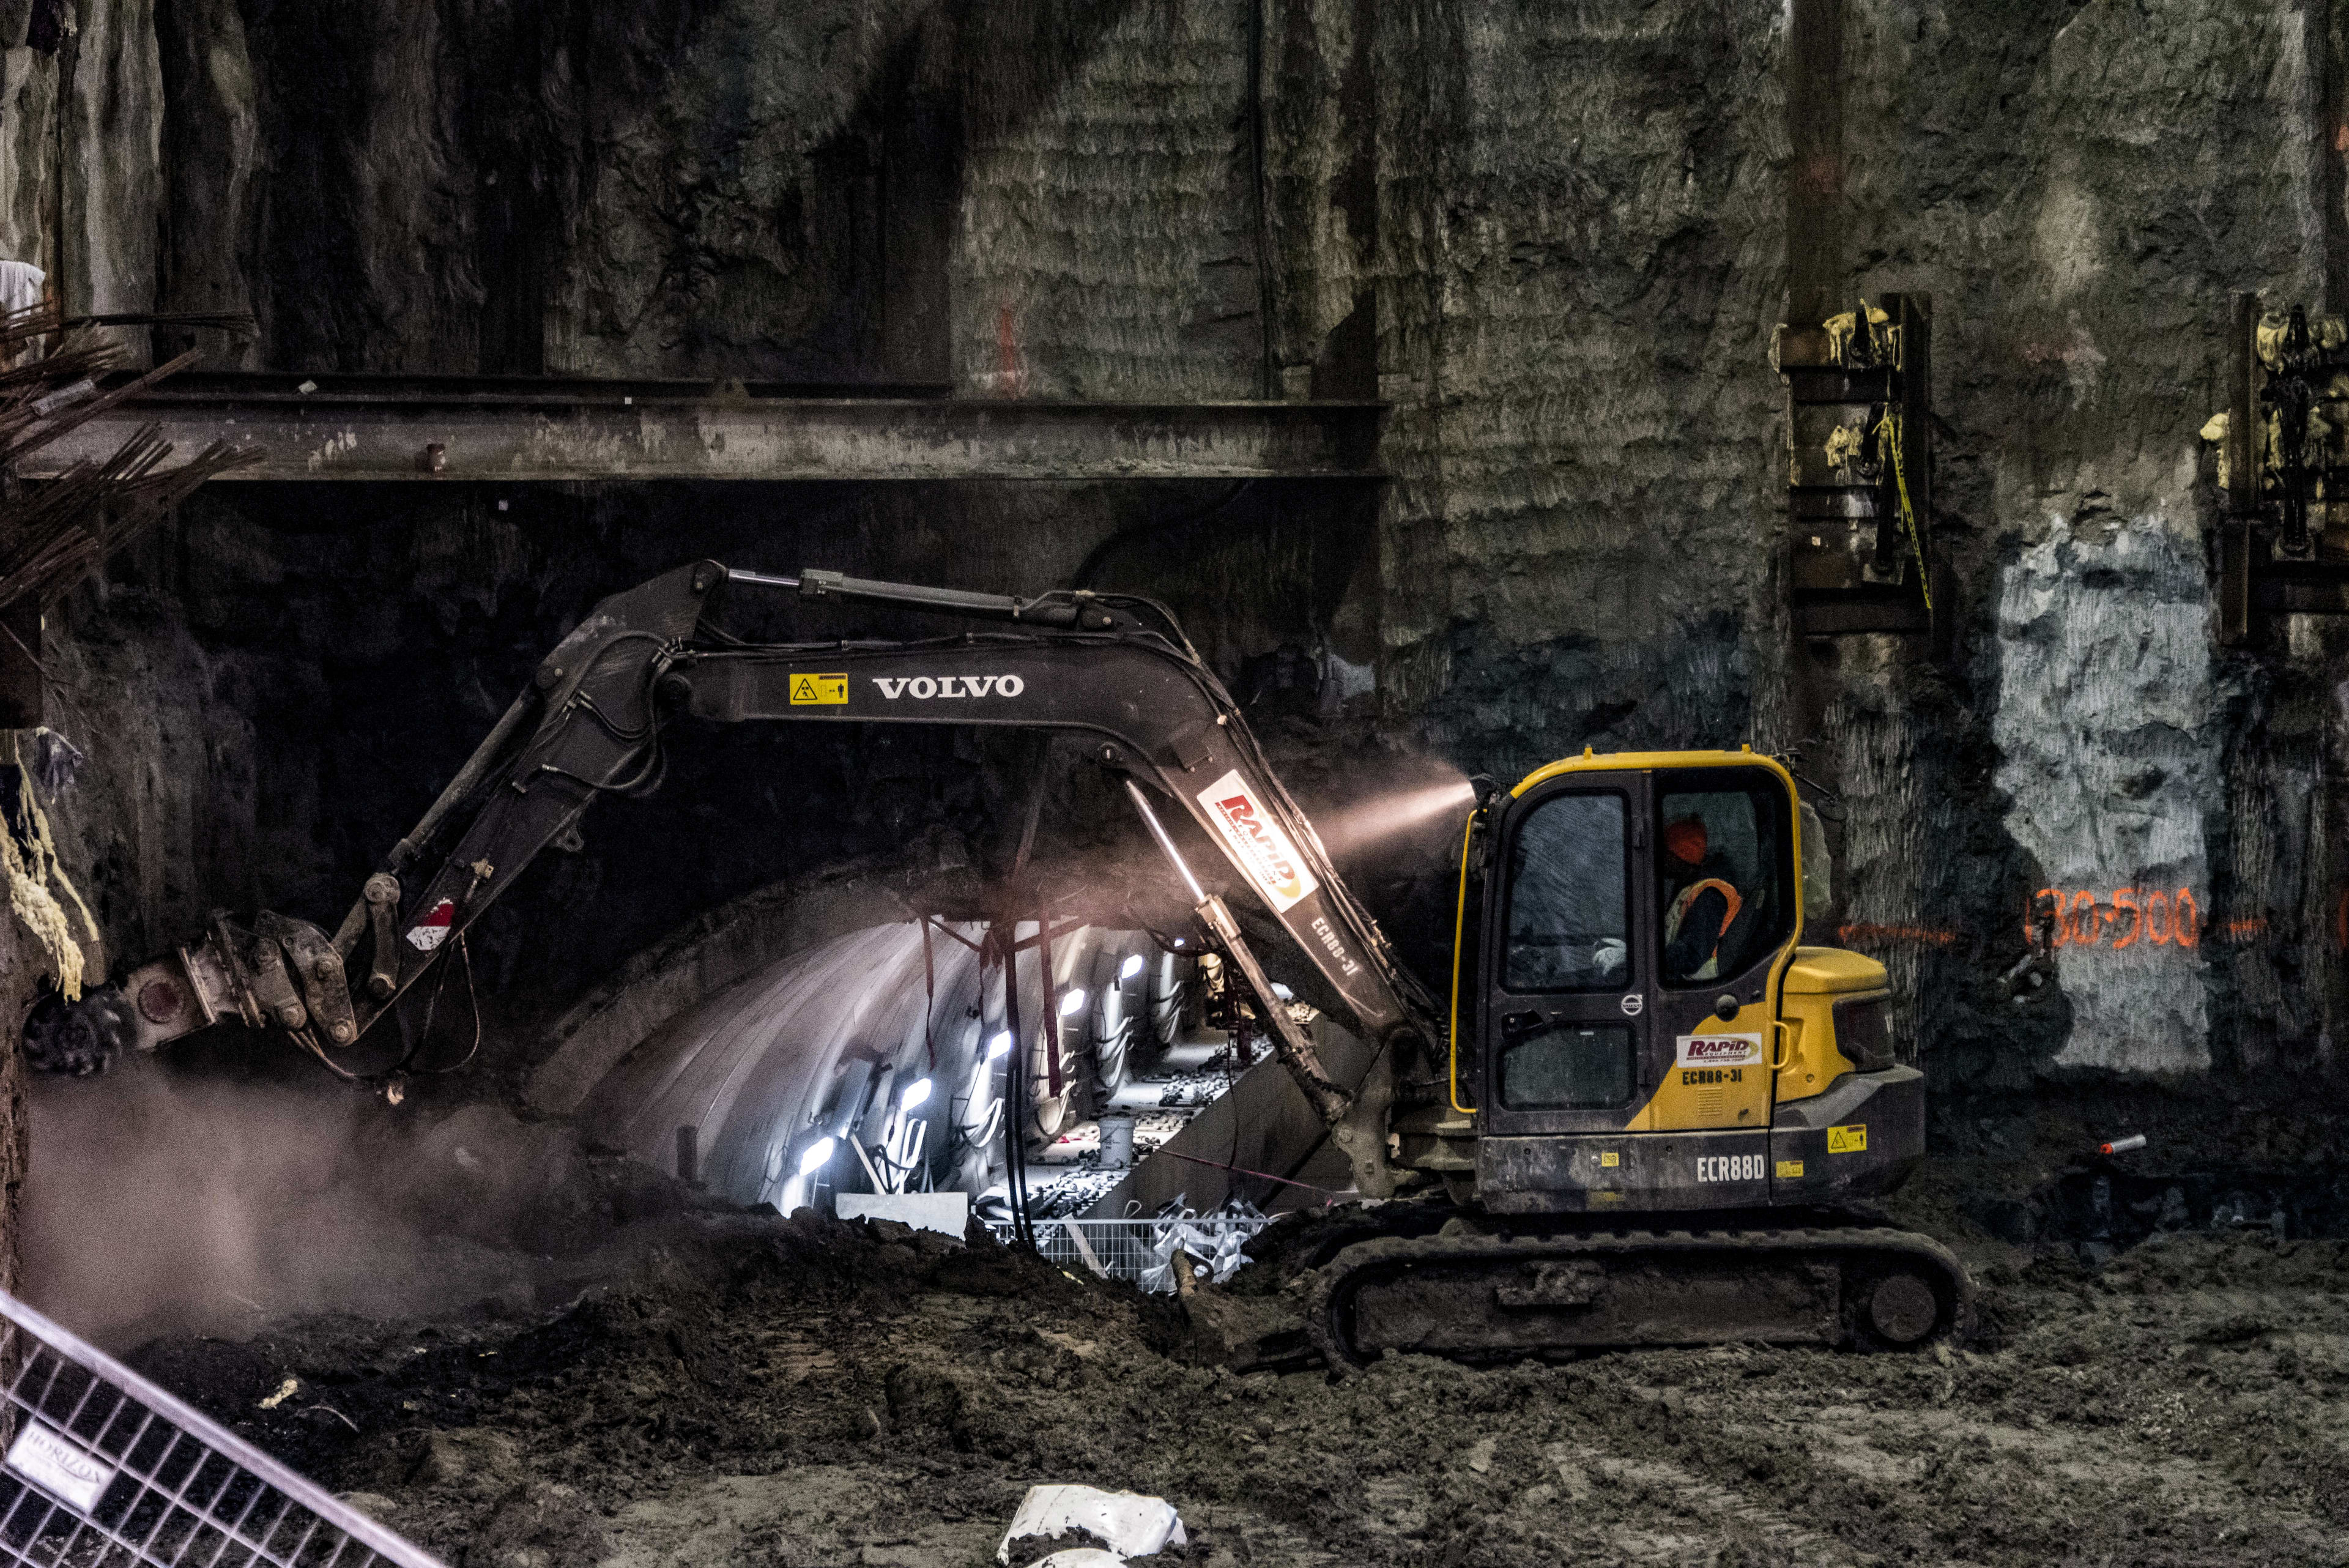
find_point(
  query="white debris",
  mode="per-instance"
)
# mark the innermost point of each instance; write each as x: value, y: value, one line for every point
x: 1131, y: 1524
x: 1212, y: 1240
x: 1081, y: 1557
x: 65, y: 397
x: 20, y: 285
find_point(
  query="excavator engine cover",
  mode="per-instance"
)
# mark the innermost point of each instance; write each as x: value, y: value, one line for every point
x: 1858, y: 1141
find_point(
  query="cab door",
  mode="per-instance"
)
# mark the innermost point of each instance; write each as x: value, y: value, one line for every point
x: 1726, y: 911
x: 1565, y: 1032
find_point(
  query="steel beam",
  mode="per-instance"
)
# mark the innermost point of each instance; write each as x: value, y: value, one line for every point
x: 520, y: 429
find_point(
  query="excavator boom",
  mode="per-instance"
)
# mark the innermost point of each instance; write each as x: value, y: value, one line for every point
x: 1116, y: 671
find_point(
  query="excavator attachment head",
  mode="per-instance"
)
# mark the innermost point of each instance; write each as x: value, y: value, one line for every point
x: 76, y: 1039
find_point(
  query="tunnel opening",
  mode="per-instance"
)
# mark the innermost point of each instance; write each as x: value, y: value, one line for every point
x: 881, y: 1061
x: 341, y: 665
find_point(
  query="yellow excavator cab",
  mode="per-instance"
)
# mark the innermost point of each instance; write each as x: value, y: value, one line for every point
x: 1635, y: 1024
x: 1662, y: 1104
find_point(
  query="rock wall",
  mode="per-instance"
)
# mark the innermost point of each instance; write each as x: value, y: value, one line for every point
x: 2079, y: 187
x: 1587, y: 257
x: 1579, y: 262
x: 82, y: 175
x: 1594, y: 260
x: 906, y: 191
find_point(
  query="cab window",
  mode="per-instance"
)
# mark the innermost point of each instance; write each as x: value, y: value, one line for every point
x: 1567, y: 1065
x: 1567, y: 926
x: 1724, y: 872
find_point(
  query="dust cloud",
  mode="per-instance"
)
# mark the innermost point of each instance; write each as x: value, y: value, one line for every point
x: 161, y: 1202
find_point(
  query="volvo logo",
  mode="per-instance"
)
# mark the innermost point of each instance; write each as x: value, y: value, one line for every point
x: 923, y: 687
x: 1633, y: 1003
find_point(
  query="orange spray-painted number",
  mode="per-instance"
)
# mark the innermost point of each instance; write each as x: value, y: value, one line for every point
x: 2126, y: 898
x: 2088, y: 932
x: 2155, y: 915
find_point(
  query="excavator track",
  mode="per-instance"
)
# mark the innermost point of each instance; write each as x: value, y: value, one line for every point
x: 1479, y: 1297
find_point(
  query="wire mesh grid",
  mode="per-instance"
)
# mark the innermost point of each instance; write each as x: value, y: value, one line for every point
x: 104, y: 1469
x: 1138, y: 1249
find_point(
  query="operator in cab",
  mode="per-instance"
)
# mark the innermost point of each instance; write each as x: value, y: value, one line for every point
x: 1701, y: 902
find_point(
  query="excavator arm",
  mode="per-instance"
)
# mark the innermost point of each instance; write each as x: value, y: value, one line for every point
x: 1116, y: 671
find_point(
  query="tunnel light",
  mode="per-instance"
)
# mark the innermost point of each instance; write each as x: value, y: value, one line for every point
x: 1073, y: 1003
x: 999, y: 1046
x: 916, y: 1093
x: 817, y: 1153
x: 1131, y: 967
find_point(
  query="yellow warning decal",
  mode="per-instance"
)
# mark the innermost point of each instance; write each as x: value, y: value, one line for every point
x: 1852, y: 1139
x: 1609, y: 1157
x: 1789, y: 1168
x: 829, y: 691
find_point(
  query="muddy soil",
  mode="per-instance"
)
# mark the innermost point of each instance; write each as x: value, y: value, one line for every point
x: 799, y: 1392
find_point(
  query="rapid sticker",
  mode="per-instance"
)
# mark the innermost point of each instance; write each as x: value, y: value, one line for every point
x: 1730, y: 1166
x: 1719, y: 1050
x: 1609, y: 1157
x: 819, y: 690
x: 1258, y: 843
x: 1788, y: 1169
x: 433, y: 929
x: 58, y: 1467
x: 922, y: 688
x: 1852, y: 1139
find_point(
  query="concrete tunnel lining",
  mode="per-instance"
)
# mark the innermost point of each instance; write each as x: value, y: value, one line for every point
x: 753, y: 1068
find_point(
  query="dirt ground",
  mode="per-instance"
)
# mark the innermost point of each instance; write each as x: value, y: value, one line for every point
x: 796, y: 1393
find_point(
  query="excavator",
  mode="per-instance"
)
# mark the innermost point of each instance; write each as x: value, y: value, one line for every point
x: 1644, y: 1114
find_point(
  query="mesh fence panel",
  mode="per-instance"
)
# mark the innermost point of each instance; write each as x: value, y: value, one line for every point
x: 103, y: 1467
x: 1136, y: 1251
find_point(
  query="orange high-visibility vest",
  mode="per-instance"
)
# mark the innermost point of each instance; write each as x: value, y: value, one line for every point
x: 1679, y: 911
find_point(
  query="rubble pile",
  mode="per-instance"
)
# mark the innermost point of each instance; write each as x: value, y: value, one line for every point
x: 799, y: 1391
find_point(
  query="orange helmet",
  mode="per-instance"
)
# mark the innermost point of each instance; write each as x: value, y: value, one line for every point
x: 1686, y: 839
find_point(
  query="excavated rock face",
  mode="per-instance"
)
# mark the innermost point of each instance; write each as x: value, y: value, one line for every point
x: 2076, y: 193
x: 1580, y: 264
x: 2026, y: 167
x: 726, y: 188
x: 1598, y: 403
